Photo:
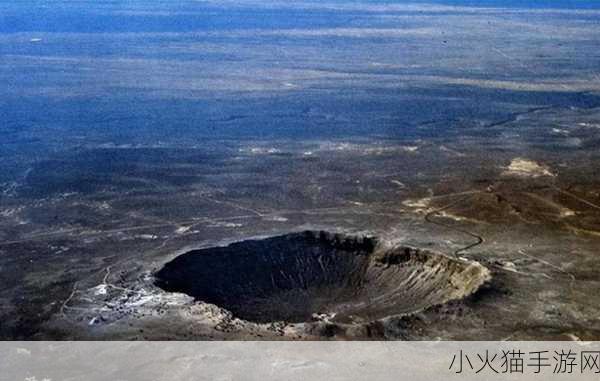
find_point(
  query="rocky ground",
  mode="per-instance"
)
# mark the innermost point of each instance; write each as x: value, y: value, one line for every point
x: 531, y: 218
x: 135, y: 132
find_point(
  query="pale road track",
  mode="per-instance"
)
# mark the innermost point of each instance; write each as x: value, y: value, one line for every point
x: 588, y: 203
x: 551, y: 265
x: 428, y: 218
x: 479, y: 239
x: 255, y: 214
x: 190, y: 222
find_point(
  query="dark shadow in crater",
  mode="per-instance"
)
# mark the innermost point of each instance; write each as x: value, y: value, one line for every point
x: 297, y: 276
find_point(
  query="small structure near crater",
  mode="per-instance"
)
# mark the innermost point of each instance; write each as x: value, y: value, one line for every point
x: 303, y: 276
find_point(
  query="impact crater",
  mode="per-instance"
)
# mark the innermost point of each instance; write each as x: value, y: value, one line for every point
x: 300, y: 277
